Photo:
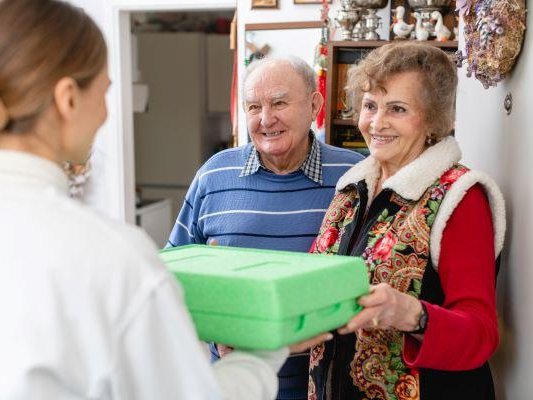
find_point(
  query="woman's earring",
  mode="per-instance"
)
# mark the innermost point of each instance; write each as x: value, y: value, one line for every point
x: 429, y: 140
x: 78, y: 175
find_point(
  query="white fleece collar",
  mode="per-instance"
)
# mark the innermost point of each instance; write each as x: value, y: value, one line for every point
x: 411, y: 181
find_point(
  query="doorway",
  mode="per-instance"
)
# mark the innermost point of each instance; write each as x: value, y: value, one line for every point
x: 122, y: 70
x: 182, y: 69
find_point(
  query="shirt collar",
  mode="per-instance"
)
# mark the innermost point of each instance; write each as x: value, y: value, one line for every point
x: 311, y: 167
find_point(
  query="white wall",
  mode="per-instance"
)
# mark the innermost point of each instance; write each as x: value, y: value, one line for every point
x: 503, y: 146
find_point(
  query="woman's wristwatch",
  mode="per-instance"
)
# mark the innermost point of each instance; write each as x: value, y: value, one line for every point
x: 422, y: 321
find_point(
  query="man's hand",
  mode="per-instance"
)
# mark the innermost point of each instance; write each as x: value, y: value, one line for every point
x: 307, y: 344
x: 223, y: 349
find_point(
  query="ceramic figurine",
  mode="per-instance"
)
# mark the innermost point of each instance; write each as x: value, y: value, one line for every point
x: 400, y: 28
x: 441, y: 31
x: 421, y: 33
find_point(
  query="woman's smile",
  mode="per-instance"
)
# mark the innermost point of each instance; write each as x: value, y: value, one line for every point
x: 382, y: 139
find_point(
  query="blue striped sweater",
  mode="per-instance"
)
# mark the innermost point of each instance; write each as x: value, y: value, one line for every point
x: 263, y: 210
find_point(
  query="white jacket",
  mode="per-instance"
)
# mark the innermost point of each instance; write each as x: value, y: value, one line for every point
x: 88, y: 310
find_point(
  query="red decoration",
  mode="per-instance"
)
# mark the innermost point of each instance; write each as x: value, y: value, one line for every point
x: 321, y: 84
x: 321, y: 62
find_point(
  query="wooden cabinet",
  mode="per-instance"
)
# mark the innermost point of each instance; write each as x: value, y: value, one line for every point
x: 341, y: 130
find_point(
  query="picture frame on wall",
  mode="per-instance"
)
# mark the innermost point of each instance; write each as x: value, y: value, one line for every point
x: 264, y: 4
x: 309, y: 1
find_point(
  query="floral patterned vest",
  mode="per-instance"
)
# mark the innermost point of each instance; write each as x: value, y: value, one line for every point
x: 392, y: 235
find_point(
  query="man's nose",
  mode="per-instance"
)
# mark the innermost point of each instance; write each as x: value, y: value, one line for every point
x: 268, y: 117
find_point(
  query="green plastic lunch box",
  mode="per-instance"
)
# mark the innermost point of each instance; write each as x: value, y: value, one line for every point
x: 265, y: 299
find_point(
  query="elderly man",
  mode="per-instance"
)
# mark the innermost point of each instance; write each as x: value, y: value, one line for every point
x: 271, y: 193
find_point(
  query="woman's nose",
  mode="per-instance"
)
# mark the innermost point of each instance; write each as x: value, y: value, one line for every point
x: 380, y: 121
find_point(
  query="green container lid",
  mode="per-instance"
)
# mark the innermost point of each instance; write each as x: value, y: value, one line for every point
x: 265, y: 299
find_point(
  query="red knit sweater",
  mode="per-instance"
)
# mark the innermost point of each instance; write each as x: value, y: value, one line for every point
x: 462, y: 333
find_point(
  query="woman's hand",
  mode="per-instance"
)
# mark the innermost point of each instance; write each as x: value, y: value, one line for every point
x: 385, y: 307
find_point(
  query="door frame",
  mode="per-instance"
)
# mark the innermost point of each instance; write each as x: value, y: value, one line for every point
x: 121, y: 174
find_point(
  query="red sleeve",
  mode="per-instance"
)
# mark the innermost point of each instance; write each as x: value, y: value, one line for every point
x: 462, y: 333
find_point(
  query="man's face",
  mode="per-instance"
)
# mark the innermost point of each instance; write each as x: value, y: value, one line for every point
x: 279, y: 112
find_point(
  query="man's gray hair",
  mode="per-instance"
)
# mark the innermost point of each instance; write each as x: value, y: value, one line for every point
x: 297, y: 64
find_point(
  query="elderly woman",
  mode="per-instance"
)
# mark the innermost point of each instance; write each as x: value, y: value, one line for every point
x: 429, y: 230
x: 88, y: 309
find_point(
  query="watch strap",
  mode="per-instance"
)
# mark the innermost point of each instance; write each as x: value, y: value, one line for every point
x: 422, y: 321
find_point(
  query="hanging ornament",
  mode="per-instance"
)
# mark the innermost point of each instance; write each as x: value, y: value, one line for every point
x: 494, y: 32
x: 234, y: 108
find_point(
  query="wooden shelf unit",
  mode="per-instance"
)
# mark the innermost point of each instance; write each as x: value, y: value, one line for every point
x: 349, y: 52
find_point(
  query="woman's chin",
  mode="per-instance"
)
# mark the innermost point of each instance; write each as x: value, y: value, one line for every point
x: 378, y: 153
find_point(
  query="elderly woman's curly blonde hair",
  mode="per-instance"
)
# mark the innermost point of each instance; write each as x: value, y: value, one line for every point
x: 438, y: 80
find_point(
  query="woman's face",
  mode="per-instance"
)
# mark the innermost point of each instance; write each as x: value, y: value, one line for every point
x: 392, y: 121
x: 92, y: 114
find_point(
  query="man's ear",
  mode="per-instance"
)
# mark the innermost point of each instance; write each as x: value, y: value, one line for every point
x: 66, y: 97
x: 317, y: 100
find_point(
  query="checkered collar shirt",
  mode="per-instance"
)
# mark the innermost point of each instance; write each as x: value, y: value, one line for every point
x: 311, y: 167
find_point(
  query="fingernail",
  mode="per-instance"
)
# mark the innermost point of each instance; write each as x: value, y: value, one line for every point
x: 342, y: 331
x: 329, y: 336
